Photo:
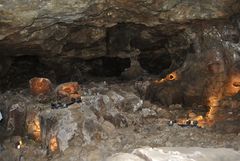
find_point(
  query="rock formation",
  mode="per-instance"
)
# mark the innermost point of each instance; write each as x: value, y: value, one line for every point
x: 95, y: 28
x: 197, y: 39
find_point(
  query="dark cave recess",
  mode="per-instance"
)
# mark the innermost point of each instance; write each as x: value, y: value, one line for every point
x: 160, y: 52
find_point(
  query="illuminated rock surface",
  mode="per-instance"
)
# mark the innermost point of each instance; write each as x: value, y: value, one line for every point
x: 139, y: 63
x: 178, y: 154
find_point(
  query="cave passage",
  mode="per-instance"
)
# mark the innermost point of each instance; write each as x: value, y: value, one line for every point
x: 158, y: 53
x: 92, y: 80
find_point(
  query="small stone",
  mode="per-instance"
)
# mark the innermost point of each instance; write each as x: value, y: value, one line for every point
x: 118, y: 120
x: 142, y: 86
x: 172, y: 122
x: 108, y: 127
x: 148, y: 112
x: 175, y: 106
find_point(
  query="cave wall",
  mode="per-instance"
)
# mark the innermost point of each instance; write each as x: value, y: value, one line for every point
x: 208, y: 74
x: 182, y: 35
x: 81, y: 28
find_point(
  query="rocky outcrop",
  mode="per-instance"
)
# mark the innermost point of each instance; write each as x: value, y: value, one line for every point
x: 209, y: 72
x: 199, y: 38
x: 86, y: 29
x: 111, y: 119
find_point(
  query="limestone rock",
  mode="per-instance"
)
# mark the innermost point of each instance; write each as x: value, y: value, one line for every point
x: 77, y: 28
x: 59, y: 124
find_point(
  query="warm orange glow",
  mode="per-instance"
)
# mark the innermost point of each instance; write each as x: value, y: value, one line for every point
x: 40, y: 86
x: 37, y: 130
x: 213, y: 104
x: 233, y: 86
x: 69, y: 89
x: 170, y: 77
x: 201, y: 122
x: 34, y: 128
x: 53, y: 144
x: 209, y: 120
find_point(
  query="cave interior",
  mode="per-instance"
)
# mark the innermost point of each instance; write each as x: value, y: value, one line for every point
x: 107, y: 79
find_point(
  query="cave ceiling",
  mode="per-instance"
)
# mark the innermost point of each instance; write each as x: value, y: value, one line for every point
x: 84, y: 29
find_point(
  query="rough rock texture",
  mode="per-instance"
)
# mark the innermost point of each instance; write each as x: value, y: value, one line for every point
x: 60, y: 124
x: 83, y: 28
x: 195, y: 40
x: 65, y: 35
x: 207, y: 74
x: 112, y: 118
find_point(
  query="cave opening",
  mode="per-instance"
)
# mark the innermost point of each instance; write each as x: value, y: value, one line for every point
x: 109, y: 67
x: 159, y: 51
x: 132, y: 51
x: 22, y: 68
x: 155, y: 63
x: 93, y: 80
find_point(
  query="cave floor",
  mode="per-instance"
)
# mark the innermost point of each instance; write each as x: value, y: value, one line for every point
x: 112, y: 118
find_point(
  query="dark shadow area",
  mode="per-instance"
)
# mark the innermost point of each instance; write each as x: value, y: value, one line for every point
x: 22, y: 69
x: 155, y: 63
x: 59, y: 70
x: 109, y: 67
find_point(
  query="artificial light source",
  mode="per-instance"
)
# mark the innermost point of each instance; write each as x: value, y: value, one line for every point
x: 53, y: 144
x: 40, y: 86
x: 69, y: 89
x: 19, y: 144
